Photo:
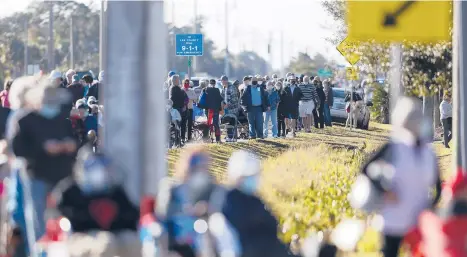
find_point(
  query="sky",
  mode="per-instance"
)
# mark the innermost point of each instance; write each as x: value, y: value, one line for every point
x: 252, y: 24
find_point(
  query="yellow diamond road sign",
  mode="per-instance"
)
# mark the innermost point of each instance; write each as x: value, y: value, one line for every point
x: 347, y: 48
x: 419, y: 21
x: 351, y: 73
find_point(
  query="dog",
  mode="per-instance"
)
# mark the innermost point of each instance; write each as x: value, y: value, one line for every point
x: 353, y: 110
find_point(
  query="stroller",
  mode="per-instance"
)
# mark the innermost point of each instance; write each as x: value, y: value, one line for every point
x: 229, y: 124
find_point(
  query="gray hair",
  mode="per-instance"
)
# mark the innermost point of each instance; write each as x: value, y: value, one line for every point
x: 408, y: 114
x: 203, y: 83
x: 306, y: 79
x: 173, y: 78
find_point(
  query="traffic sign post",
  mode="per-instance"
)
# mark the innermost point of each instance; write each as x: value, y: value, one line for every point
x: 189, y: 45
x: 347, y: 49
x: 420, y: 21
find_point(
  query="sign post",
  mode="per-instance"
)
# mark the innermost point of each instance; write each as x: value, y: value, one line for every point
x: 189, y: 45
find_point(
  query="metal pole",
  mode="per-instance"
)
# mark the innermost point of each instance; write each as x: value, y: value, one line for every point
x: 72, y: 45
x: 395, y: 75
x: 135, y: 58
x: 282, y: 53
x: 51, y: 48
x: 195, y: 28
x: 26, y: 39
x: 101, y: 36
x: 226, y: 23
x: 459, y: 84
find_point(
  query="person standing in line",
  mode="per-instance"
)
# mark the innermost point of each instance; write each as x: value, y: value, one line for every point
x: 231, y: 100
x: 192, y: 97
x: 213, y: 106
x: 281, y: 111
x: 319, y: 110
x: 255, y: 101
x: 4, y: 94
x: 291, y: 96
x: 178, y: 97
x: 308, y: 103
x: 445, y: 110
x: 274, y: 99
x: 69, y: 77
x: 328, y: 103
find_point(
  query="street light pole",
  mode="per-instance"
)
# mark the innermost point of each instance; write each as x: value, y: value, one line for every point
x: 26, y: 39
x: 51, y: 48
x: 101, y: 36
x: 226, y: 23
x: 72, y: 45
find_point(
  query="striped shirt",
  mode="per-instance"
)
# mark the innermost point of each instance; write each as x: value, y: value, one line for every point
x: 309, y: 93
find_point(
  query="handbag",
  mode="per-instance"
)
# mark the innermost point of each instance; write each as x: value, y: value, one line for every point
x: 202, y: 100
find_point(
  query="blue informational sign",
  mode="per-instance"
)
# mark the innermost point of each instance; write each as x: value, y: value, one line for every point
x: 189, y: 44
x: 324, y: 73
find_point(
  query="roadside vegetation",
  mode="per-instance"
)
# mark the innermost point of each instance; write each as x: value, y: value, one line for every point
x: 306, y: 179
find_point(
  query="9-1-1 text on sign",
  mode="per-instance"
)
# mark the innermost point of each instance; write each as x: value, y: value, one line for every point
x: 189, y: 44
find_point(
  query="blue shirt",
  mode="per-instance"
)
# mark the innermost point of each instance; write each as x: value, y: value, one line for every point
x: 86, y: 90
x: 274, y: 99
x: 256, y: 96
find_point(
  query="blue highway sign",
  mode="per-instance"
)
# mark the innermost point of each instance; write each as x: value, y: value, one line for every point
x: 189, y: 44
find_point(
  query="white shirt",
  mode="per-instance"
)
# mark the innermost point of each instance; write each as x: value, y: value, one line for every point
x: 445, y: 110
x: 415, y: 174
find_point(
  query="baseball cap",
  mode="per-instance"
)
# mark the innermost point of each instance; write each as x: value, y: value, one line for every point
x: 171, y: 73
x: 246, y: 78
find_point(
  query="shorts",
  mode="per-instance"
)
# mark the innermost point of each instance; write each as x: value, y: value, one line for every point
x: 306, y: 108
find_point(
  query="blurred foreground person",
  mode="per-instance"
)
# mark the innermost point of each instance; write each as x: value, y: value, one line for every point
x: 445, y: 111
x: 5, y: 92
x: 45, y: 140
x: 255, y: 225
x: 398, y: 180
x: 103, y: 220
x: 180, y: 204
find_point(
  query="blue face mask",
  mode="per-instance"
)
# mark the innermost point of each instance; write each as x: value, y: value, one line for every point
x: 250, y: 185
x: 49, y: 111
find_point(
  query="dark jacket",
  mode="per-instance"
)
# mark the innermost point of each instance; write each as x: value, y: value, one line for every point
x: 356, y: 97
x: 321, y: 95
x: 28, y: 141
x: 106, y: 211
x: 214, y: 98
x: 290, y: 100
x: 4, y: 113
x: 329, y: 96
x: 93, y: 91
x: 256, y: 226
x: 178, y: 96
x: 77, y: 91
x: 245, y: 100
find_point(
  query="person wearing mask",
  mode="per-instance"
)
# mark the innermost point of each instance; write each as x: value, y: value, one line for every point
x: 404, y: 172
x: 261, y: 82
x: 213, y: 106
x: 266, y: 79
x: 291, y: 96
x: 257, y: 231
x: 192, y: 97
x: 274, y: 78
x: 328, y: 94
x: 45, y: 140
x: 69, y: 75
x: 445, y: 111
x: 76, y: 89
x: 318, y: 113
x: 103, y: 219
x: 183, y: 201
x: 255, y: 101
x: 281, y: 111
x: 232, y: 103
x: 274, y: 99
x: 5, y: 92
x: 246, y: 83
x: 308, y: 103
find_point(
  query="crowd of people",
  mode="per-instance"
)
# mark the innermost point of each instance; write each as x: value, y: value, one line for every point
x: 270, y: 104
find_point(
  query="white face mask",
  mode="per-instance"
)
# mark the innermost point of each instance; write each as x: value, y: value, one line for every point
x: 247, y: 83
x: 260, y: 82
x: 168, y: 107
x: 278, y: 88
x: 269, y: 88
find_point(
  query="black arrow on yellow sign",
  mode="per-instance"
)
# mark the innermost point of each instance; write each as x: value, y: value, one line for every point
x: 390, y: 20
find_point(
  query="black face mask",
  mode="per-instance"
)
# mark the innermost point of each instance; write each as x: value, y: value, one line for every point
x: 293, y: 82
x: 254, y: 83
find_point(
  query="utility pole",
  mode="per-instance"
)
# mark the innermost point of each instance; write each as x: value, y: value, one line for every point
x: 395, y: 75
x: 196, y: 31
x: 72, y: 45
x: 282, y: 53
x: 269, y: 49
x: 459, y: 56
x: 226, y: 23
x: 135, y: 58
x: 51, y: 47
x: 26, y: 43
x: 101, y: 35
